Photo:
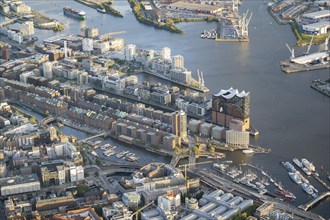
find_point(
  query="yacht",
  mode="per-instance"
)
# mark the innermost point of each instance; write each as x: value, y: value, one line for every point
x: 308, y: 165
x: 297, y: 162
x: 306, y: 171
x: 307, y: 188
x: 295, y: 177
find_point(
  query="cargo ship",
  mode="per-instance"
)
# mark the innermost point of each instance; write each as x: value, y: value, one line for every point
x: 74, y: 13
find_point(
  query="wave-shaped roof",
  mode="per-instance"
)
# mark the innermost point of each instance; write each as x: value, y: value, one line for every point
x: 230, y: 93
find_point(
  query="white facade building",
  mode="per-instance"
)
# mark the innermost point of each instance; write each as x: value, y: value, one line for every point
x: 238, y: 138
x: 165, y: 54
x: 87, y: 44
x: 130, y: 52
x: 47, y: 68
x: 27, y: 29
x: 178, y: 62
x: 23, y: 77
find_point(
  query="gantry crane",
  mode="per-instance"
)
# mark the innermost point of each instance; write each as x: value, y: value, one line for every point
x: 140, y: 209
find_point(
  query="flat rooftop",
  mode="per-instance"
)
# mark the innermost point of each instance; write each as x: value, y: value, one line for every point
x: 192, y: 6
x: 10, y: 181
x: 310, y: 57
x: 317, y: 14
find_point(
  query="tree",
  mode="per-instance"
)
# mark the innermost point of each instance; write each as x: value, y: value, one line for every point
x: 196, y: 150
x: 97, y: 174
x: 98, y: 162
x: 82, y: 189
x: 176, y: 150
x: 212, y: 149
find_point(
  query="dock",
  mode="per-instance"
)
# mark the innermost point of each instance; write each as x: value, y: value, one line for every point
x: 313, y: 202
x: 321, y: 86
x: 322, y: 182
x: 288, y: 67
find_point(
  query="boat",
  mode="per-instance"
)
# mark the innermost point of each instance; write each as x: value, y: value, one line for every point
x: 285, y: 194
x: 308, y: 165
x: 306, y: 171
x: 297, y: 162
x: 289, y: 167
x: 94, y: 154
x: 97, y: 142
x: 81, y: 15
x: 313, y: 188
x: 307, y: 188
x: 101, y: 10
x: 295, y: 177
x: 248, y: 151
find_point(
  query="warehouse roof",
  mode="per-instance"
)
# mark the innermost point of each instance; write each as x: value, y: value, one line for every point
x: 317, y: 14
x: 192, y: 6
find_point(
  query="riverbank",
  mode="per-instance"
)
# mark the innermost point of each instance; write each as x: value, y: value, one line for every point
x: 102, y: 5
x: 139, y: 15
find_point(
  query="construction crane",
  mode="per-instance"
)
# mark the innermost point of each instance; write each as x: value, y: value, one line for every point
x: 140, y: 209
x: 192, y: 164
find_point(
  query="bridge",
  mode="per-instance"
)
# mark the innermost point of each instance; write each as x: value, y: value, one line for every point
x: 313, y: 202
x: 7, y: 22
x: 175, y: 160
x: 94, y: 136
x: 48, y: 120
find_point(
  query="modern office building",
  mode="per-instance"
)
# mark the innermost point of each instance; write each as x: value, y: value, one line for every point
x: 130, y: 52
x: 179, y: 124
x: 231, y: 104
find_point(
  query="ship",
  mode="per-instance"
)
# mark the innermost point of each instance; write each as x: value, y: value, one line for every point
x: 285, y: 194
x: 308, y: 165
x: 297, y: 162
x: 295, y: 177
x: 307, y: 188
x: 74, y: 13
x: 101, y: 10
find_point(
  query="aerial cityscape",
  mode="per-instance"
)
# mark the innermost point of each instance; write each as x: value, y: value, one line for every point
x: 165, y: 109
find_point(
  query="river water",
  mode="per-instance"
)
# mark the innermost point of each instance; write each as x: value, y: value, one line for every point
x: 292, y: 118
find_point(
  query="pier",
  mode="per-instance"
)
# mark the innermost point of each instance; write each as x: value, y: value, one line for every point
x: 322, y: 182
x: 313, y: 202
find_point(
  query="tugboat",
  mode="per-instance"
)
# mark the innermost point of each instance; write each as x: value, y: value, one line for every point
x: 74, y: 13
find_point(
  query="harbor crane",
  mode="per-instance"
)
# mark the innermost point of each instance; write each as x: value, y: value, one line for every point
x: 291, y: 51
x: 140, y: 209
x: 310, y: 45
x: 235, y: 5
x: 244, y: 23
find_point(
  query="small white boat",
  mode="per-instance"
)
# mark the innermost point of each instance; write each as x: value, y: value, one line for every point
x: 248, y: 151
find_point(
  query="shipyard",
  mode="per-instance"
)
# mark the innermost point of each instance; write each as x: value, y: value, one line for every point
x: 105, y: 120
